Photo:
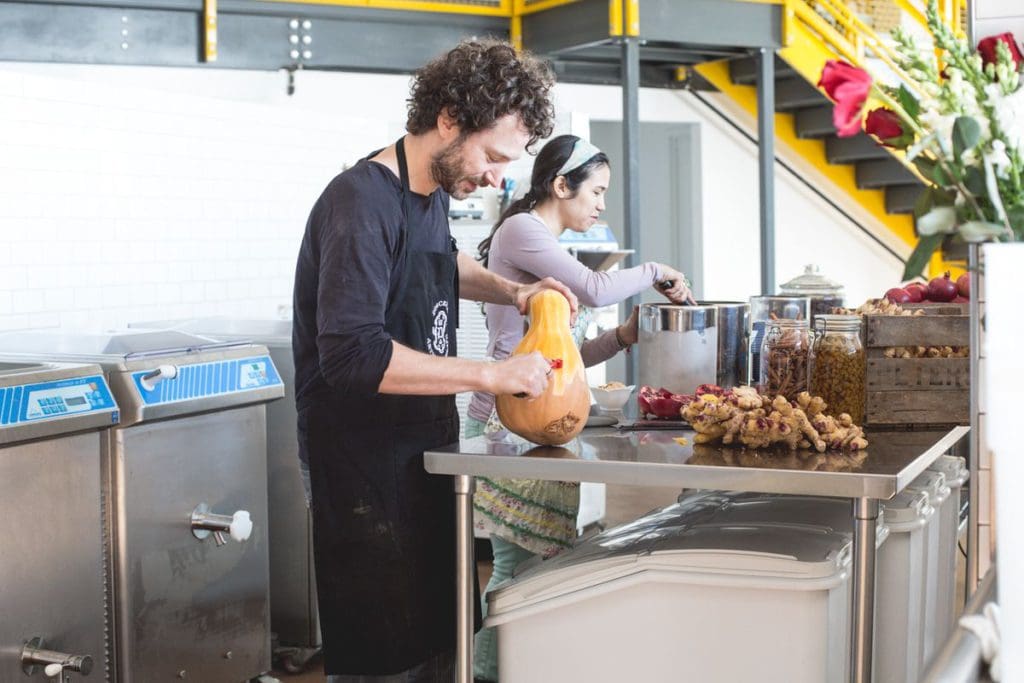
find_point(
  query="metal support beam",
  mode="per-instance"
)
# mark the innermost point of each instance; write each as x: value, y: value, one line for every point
x: 631, y: 171
x: 865, y: 517
x: 464, y: 576
x: 766, y: 164
x: 973, y: 569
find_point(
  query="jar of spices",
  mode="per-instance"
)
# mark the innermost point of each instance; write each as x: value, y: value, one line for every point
x: 785, y: 355
x: 838, y: 365
x: 825, y: 294
x: 763, y: 309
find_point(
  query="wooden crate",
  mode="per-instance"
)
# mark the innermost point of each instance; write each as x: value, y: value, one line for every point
x: 917, y: 392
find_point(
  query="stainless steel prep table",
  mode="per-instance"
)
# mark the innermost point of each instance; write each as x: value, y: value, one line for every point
x: 654, y: 458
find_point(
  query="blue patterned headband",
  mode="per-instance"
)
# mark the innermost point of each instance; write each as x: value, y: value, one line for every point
x: 582, y: 152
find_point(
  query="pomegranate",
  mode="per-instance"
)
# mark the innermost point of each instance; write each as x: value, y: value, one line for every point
x: 898, y: 295
x: 963, y: 285
x: 961, y: 300
x: 941, y: 288
x: 917, y: 291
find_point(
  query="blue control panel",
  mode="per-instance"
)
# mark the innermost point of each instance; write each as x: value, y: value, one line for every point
x: 203, y: 380
x: 58, y: 399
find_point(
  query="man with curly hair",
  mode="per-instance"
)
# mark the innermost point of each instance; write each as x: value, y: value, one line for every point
x: 376, y: 303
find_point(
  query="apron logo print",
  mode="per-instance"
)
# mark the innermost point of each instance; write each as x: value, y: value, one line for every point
x: 437, y: 345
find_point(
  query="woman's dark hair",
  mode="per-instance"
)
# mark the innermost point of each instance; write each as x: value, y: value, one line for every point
x: 545, y: 169
x: 477, y: 83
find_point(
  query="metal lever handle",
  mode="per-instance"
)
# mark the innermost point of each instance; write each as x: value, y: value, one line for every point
x: 204, y: 522
x: 33, y: 656
x: 154, y: 377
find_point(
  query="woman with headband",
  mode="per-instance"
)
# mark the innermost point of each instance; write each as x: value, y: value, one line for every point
x: 570, y: 177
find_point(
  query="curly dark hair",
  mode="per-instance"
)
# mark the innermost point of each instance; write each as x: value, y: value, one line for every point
x: 477, y: 83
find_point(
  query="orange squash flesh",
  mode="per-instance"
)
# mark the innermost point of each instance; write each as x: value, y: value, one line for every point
x: 559, y: 414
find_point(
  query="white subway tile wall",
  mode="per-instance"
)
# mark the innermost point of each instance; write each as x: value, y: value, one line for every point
x: 121, y: 202
x: 142, y: 193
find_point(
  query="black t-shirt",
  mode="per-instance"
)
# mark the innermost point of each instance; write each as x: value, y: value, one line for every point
x: 347, y: 269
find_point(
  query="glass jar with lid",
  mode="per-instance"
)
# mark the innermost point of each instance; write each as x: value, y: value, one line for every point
x: 785, y: 357
x: 763, y: 309
x: 838, y: 365
x: 825, y: 294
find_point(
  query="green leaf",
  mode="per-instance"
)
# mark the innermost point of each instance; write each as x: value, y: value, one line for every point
x: 925, y: 202
x: 1016, y: 217
x: 922, y: 253
x: 908, y: 102
x: 966, y: 134
x: 974, y: 180
x: 926, y: 167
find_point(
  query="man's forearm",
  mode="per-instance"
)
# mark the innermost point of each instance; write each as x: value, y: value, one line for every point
x: 414, y: 373
x: 479, y: 284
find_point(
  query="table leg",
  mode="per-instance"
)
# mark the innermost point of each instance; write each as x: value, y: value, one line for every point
x: 865, y: 518
x: 464, y: 579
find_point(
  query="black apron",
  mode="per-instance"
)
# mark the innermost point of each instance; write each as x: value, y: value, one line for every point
x: 384, y: 529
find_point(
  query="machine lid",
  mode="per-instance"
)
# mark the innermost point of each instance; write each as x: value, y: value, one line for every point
x: 7, y: 369
x: 270, y: 330
x: 811, y: 282
x: 126, y: 344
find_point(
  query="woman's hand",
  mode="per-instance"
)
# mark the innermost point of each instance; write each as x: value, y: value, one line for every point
x: 523, y: 293
x: 628, y: 333
x: 674, y: 286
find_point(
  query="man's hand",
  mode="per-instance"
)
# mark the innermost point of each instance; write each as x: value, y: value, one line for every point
x: 524, y: 292
x: 526, y: 374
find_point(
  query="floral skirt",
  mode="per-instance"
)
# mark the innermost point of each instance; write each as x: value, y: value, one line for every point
x: 539, y: 516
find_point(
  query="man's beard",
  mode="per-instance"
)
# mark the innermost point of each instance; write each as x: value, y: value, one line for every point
x: 446, y: 169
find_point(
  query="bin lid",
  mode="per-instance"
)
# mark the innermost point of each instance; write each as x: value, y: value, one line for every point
x: 748, y: 555
x: 934, y: 482
x: 954, y: 467
x: 908, y: 507
x: 742, y: 507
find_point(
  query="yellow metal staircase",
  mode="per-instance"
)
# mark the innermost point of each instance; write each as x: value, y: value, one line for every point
x: 871, y: 178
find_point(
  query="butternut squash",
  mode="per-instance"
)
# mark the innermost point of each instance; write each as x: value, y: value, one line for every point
x: 559, y: 414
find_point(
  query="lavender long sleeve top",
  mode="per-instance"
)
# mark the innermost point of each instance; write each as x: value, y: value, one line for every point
x: 524, y: 250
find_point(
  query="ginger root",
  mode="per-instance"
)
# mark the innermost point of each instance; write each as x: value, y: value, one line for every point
x: 746, y: 418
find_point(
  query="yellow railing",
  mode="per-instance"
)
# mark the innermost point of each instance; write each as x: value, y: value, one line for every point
x: 850, y: 38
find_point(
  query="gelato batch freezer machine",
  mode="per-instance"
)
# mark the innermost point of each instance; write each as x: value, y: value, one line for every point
x: 184, y: 469
x: 293, y: 608
x: 52, y: 590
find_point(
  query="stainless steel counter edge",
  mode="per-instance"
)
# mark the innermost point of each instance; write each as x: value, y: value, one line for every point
x: 920, y: 464
x: 838, y: 484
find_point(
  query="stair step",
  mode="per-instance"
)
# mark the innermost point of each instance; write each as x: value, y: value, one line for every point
x: 743, y: 71
x: 796, y: 93
x: 815, y: 122
x: 849, y: 150
x: 877, y: 173
x: 901, y: 198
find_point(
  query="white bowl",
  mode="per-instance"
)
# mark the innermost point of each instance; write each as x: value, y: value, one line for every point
x: 611, y: 399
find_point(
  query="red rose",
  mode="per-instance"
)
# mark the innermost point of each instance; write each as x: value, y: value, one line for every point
x: 885, y: 125
x: 987, y: 49
x: 849, y: 87
x: 837, y: 73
